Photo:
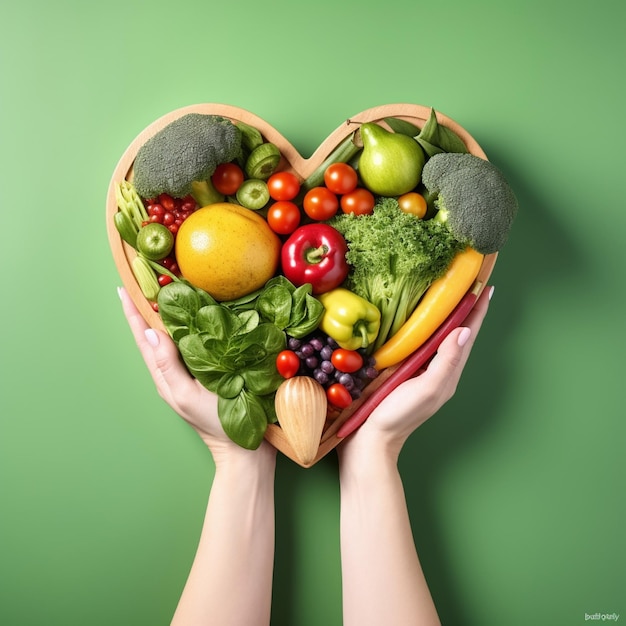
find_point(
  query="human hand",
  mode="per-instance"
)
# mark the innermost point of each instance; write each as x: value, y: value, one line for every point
x: 193, y: 402
x: 416, y: 400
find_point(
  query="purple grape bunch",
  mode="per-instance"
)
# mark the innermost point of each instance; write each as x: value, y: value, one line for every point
x: 315, y: 353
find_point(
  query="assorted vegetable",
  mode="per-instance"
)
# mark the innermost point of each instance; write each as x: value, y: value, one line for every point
x: 315, y: 254
x: 352, y: 321
x: 180, y: 159
x: 287, y: 297
x: 437, y: 303
x: 394, y: 257
x: 473, y: 199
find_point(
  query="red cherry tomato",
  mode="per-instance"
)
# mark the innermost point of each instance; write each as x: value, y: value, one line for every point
x: 339, y: 396
x: 320, y: 203
x: 287, y: 363
x: 283, y: 217
x: 167, y: 202
x: 283, y: 186
x: 340, y: 178
x: 414, y: 203
x: 227, y: 178
x: 361, y: 201
x: 346, y: 360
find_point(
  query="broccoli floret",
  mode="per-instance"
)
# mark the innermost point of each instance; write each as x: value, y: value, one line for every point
x: 394, y: 258
x: 473, y: 199
x: 180, y: 158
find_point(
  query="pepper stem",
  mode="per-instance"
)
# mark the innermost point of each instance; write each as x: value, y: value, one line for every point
x: 313, y: 256
x: 361, y: 328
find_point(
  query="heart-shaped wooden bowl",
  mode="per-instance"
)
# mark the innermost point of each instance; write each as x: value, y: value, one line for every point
x: 123, y: 254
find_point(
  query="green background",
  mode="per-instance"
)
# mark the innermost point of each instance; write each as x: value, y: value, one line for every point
x: 516, y: 489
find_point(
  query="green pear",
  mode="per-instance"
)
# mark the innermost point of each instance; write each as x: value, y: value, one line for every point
x: 391, y: 163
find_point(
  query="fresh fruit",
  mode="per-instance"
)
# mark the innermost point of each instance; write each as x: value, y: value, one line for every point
x: 155, y: 241
x: 227, y: 178
x: 320, y: 203
x: 283, y: 186
x: 227, y: 250
x: 347, y: 360
x: 316, y: 360
x: 391, y: 163
x: 339, y: 396
x: 361, y: 201
x: 283, y: 217
x: 287, y: 363
x: 414, y: 203
x: 253, y: 194
x: 340, y: 178
x: 263, y: 161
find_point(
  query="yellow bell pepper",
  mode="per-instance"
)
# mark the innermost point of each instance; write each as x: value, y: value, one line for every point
x: 349, y: 319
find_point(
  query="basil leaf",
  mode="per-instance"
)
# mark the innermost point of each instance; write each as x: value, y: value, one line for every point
x: 261, y: 377
x: 205, y: 298
x: 299, y: 303
x: 203, y: 357
x: 178, y: 304
x: 217, y: 321
x: 244, y: 303
x: 274, y: 305
x: 314, y: 310
x: 268, y: 402
x: 249, y: 320
x: 280, y: 281
x: 229, y: 385
x: 244, y: 419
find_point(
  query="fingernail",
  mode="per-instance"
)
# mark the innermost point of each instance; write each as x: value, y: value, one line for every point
x: 491, y: 292
x: 464, y: 336
x: 119, y: 292
x: 151, y: 337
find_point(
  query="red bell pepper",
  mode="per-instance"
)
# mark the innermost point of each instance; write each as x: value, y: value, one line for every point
x: 315, y: 254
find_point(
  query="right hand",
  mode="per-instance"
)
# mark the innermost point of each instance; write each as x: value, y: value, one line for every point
x: 416, y: 400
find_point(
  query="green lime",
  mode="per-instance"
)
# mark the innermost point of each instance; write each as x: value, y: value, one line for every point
x: 253, y: 194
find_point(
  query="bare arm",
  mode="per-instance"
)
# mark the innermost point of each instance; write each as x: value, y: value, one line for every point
x: 230, y: 582
x: 383, y: 582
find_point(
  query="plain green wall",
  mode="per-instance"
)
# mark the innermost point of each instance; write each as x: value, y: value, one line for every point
x: 516, y: 489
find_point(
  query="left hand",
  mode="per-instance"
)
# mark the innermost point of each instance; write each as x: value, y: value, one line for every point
x: 193, y: 402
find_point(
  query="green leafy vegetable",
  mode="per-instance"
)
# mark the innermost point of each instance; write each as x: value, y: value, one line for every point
x: 232, y: 353
x: 394, y: 257
x: 292, y: 309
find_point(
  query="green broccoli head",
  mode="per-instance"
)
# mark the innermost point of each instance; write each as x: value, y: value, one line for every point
x: 473, y: 197
x: 185, y: 151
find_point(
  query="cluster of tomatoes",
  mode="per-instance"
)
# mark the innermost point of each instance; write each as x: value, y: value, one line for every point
x: 321, y: 203
x: 169, y: 211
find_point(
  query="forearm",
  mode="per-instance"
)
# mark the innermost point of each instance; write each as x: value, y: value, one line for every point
x: 383, y: 582
x: 230, y: 583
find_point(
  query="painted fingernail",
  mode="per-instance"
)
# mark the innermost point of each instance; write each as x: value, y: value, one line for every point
x: 464, y: 336
x: 491, y: 292
x: 151, y: 337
